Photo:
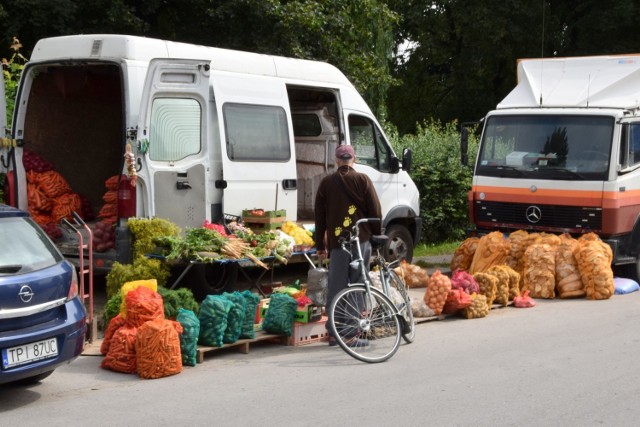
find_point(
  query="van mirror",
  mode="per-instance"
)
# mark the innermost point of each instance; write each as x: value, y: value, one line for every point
x: 464, y: 145
x: 406, y: 160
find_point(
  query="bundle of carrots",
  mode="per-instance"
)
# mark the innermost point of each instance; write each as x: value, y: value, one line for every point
x: 50, y: 197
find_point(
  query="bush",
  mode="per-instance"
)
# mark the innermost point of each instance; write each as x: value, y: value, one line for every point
x: 441, y: 178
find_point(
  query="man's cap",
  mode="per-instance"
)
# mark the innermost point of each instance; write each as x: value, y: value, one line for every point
x: 345, y: 152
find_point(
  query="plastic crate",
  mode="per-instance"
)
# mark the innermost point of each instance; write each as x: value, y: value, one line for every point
x: 309, y: 333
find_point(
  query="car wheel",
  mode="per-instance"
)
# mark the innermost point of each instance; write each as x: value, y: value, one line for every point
x: 400, y: 245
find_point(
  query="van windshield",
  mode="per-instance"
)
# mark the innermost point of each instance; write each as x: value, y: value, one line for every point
x: 546, y: 147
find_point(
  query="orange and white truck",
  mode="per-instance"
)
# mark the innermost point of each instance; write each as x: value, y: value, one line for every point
x: 561, y: 153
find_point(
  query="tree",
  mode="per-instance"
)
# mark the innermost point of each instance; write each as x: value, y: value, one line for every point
x: 356, y: 36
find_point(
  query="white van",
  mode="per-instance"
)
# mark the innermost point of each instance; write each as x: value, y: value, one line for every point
x: 213, y: 132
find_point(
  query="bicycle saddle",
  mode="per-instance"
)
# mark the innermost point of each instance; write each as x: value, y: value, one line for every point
x: 378, y: 241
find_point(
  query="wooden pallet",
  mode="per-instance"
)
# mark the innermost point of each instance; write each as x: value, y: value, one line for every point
x: 241, y: 345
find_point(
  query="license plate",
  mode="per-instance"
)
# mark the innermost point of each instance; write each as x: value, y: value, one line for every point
x: 29, y: 353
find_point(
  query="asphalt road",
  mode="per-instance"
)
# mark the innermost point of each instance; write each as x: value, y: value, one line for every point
x: 561, y: 363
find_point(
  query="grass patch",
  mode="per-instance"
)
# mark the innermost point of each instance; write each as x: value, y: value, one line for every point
x: 435, y: 249
x: 424, y: 250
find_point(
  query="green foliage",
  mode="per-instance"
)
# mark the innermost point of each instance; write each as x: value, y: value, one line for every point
x: 111, y: 309
x: 12, y: 70
x: 142, y: 269
x: 441, y: 178
x: 146, y: 231
x: 173, y: 299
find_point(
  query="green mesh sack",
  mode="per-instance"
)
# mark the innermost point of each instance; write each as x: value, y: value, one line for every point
x: 235, y: 318
x: 213, y: 319
x: 279, y: 316
x: 252, y: 300
x: 189, y: 336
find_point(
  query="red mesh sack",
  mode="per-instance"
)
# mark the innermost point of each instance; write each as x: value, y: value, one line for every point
x: 465, y: 281
x: 457, y: 299
x: 122, y: 351
x: 143, y: 304
x: 158, y: 349
x: 114, y: 324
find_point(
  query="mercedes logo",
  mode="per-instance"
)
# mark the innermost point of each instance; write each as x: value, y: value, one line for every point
x: 25, y: 294
x: 533, y: 214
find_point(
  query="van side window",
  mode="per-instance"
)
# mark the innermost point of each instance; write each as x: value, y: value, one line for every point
x: 256, y: 133
x: 175, y: 129
x: 369, y: 144
x: 634, y: 144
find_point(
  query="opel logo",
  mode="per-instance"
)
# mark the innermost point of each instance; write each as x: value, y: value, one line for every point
x: 534, y: 214
x: 25, y: 294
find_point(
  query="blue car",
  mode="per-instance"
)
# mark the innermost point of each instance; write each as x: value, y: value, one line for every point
x: 42, y: 319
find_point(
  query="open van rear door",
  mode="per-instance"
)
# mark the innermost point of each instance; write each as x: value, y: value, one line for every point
x: 258, y: 156
x: 174, y: 140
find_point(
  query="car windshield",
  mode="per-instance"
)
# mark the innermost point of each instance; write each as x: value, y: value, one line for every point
x: 546, y: 147
x: 25, y: 247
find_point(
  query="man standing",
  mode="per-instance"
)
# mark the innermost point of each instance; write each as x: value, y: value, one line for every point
x: 343, y: 198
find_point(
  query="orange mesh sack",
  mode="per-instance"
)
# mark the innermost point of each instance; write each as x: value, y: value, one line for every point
x: 143, y: 305
x: 457, y: 299
x: 114, y: 324
x: 463, y: 255
x: 53, y: 184
x: 594, y: 262
x: 540, y: 270
x: 413, y: 275
x: 65, y: 205
x: 519, y: 240
x: 438, y: 287
x: 492, y: 250
x: 158, y: 349
x: 568, y: 281
x: 121, y: 356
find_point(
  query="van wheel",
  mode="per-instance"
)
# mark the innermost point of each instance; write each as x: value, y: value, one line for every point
x: 211, y: 279
x: 400, y: 245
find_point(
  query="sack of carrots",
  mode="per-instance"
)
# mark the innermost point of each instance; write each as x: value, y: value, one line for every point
x: 158, y: 349
x: 121, y: 356
x: 143, y: 305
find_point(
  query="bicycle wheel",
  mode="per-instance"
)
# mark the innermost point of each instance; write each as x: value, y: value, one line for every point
x: 404, y: 308
x: 365, y: 325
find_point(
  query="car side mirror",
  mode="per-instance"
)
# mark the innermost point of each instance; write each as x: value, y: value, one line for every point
x: 406, y: 160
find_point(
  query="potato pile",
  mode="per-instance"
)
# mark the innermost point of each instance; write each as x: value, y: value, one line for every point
x: 438, y: 287
x: 478, y: 308
x: 594, y: 262
x: 488, y: 286
x: 502, y: 283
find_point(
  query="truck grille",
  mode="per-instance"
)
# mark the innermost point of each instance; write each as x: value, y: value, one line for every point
x: 521, y: 215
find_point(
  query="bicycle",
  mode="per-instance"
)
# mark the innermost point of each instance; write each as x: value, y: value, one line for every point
x: 365, y: 320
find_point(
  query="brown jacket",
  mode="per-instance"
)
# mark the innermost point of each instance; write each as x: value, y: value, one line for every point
x: 335, y: 213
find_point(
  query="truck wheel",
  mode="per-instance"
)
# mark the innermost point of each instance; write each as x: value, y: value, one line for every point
x: 211, y: 279
x: 400, y: 244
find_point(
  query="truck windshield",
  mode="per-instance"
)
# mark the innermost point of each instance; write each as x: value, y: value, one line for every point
x: 546, y: 147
